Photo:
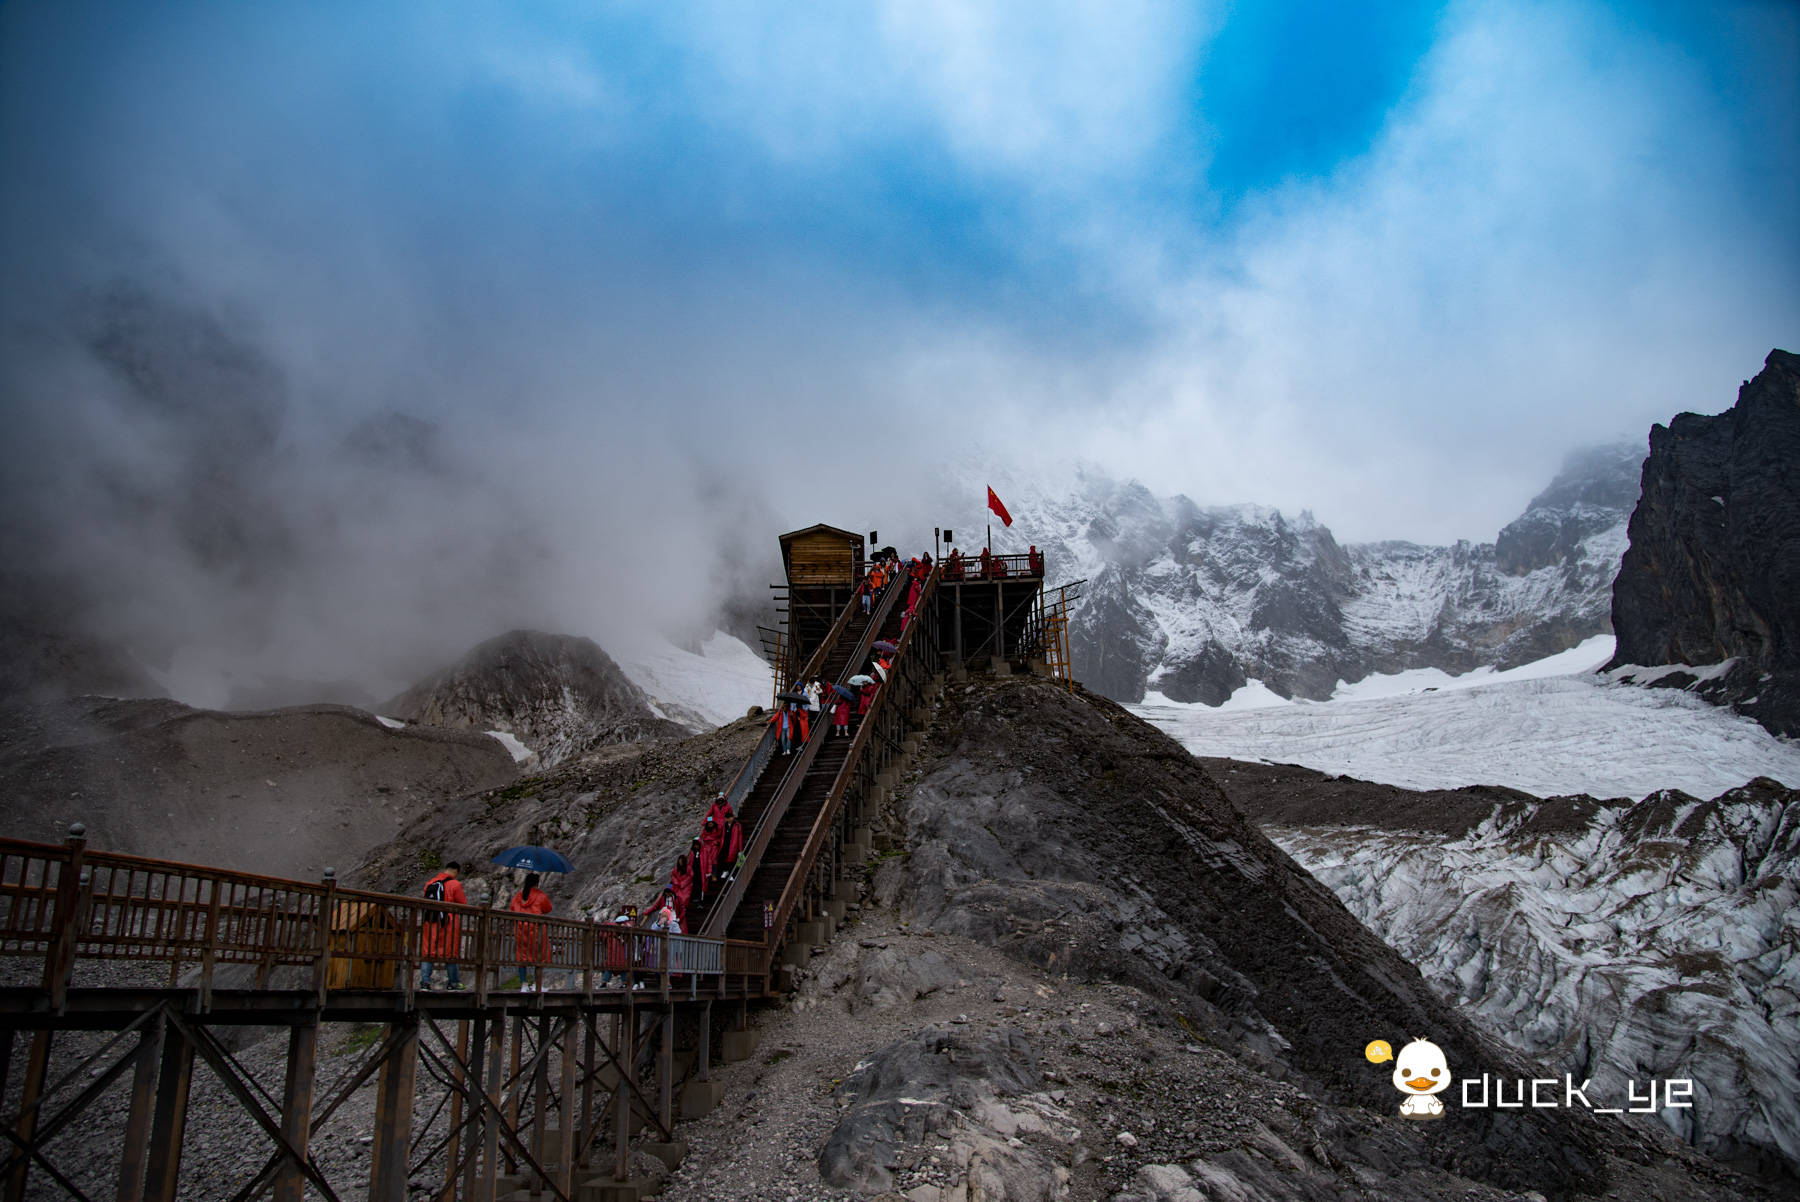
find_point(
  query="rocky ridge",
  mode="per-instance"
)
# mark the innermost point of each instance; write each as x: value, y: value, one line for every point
x: 1713, y: 569
x: 1176, y: 901
x: 558, y: 695
x: 1192, y: 602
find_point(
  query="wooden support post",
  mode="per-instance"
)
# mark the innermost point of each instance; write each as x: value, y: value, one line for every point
x: 540, y: 1097
x: 959, y: 642
x: 392, y: 1150
x: 512, y: 1097
x: 999, y: 621
x: 480, y: 1119
x: 6, y: 1052
x: 37, y: 1067
x: 565, y: 1106
x: 143, y: 1102
x: 296, y: 1108
x: 589, y: 1063
x: 454, y: 1148
x: 169, y: 1124
x: 490, y: 1131
x: 706, y: 1042
x: 624, y: 1032
x: 665, y: 1102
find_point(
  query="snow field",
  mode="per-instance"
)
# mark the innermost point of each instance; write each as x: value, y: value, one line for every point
x: 717, y: 684
x: 1551, y: 728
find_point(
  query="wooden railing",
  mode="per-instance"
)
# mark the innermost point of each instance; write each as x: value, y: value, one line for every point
x: 998, y: 567
x: 911, y: 663
x: 65, y: 904
x: 719, y: 917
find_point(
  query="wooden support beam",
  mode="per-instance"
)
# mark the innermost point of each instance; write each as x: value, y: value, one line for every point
x: 37, y: 1067
x: 169, y: 1123
x: 706, y: 1042
x: 565, y: 1157
x: 478, y: 1137
x: 540, y: 1094
x: 296, y: 1109
x: 490, y: 1131
x: 133, y: 1157
x: 392, y: 1149
x: 590, y: 1036
x: 665, y: 1102
x: 512, y: 1097
x: 453, y: 1151
x: 625, y: 1056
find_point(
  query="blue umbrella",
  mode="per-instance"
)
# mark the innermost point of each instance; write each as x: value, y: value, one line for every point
x: 846, y: 694
x: 533, y: 859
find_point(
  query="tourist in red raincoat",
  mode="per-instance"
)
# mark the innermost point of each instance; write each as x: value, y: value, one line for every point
x: 681, y: 883
x: 719, y: 810
x: 1037, y: 561
x: 439, y: 939
x: 953, y: 567
x: 840, y: 717
x: 866, y: 697
x: 709, y: 850
x: 533, y: 943
x: 731, y: 846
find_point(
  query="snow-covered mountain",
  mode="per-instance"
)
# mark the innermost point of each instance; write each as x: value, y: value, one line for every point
x: 1193, y: 602
x: 714, y: 683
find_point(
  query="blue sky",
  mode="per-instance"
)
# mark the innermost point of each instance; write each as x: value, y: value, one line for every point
x: 1386, y: 263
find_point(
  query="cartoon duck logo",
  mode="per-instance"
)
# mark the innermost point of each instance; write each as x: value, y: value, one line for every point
x: 1420, y: 1071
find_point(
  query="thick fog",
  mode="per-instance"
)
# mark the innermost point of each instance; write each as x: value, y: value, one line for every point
x: 337, y: 338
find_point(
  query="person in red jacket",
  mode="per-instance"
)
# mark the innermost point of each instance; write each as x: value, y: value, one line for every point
x: 720, y: 809
x: 840, y: 717
x: 731, y: 846
x: 681, y: 883
x: 866, y: 698
x: 709, y: 852
x: 440, y: 937
x: 533, y: 945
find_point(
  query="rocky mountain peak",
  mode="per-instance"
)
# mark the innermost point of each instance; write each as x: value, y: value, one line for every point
x: 1595, y: 490
x: 558, y: 694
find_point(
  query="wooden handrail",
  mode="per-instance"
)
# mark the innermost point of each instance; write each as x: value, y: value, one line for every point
x: 719, y: 917
x: 136, y: 908
x: 822, y: 822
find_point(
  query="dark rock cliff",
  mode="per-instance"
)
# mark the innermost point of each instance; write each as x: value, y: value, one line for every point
x: 1713, y: 569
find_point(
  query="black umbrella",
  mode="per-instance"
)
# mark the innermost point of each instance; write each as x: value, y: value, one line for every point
x: 796, y: 698
x: 884, y: 645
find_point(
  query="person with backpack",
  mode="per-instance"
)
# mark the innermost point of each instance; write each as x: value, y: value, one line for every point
x: 439, y: 938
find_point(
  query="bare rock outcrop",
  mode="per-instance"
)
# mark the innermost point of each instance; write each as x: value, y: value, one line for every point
x: 1713, y: 570
x: 557, y: 694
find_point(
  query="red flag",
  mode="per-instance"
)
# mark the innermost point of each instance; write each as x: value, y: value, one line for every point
x: 999, y: 509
